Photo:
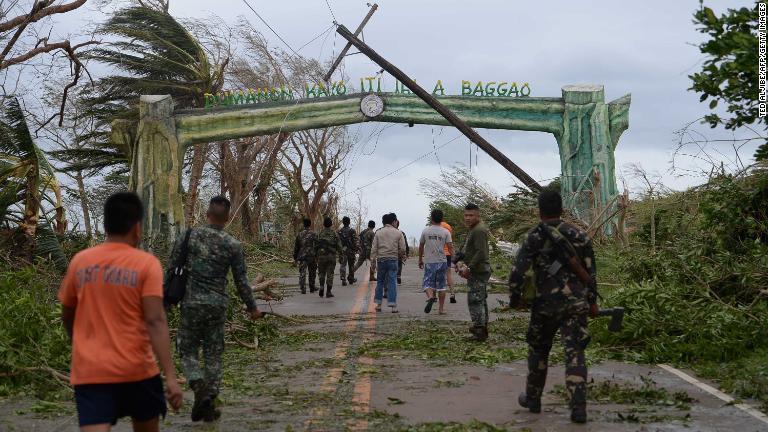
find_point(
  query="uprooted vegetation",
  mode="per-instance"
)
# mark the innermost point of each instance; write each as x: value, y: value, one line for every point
x: 35, y: 351
x: 696, y: 293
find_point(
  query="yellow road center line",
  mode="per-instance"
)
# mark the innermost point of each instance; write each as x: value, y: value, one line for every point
x: 361, y: 399
x: 333, y: 376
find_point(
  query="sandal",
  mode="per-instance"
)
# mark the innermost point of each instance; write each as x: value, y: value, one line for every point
x: 431, y: 301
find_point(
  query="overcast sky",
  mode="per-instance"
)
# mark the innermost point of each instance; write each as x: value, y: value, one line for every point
x: 643, y: 48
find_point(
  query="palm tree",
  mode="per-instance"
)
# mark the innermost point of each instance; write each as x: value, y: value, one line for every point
x: 153, y: 54
x: 27, y: 179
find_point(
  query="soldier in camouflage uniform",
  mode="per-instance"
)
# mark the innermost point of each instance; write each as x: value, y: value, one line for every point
x: 211, y: 254
x: 562, y: 301
x: 366, y: 241
x: 327, y: 250
x: 476, y: 268
x: 350, y: 246
x: 304, y: 254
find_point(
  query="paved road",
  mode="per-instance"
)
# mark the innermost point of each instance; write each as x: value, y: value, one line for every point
x: 327, y: 385
x: 490, y: 394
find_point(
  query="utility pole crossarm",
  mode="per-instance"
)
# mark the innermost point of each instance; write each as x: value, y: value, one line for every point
x: 343, y: 52
x: 452, y: 118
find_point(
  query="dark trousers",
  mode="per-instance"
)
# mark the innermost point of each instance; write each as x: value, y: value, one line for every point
x: 202, y: 326
x: 307, y: 268
x: 572, y: 323
x: 347, y: 262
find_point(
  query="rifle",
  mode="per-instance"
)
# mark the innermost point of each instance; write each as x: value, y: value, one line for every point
x: 572, y: 260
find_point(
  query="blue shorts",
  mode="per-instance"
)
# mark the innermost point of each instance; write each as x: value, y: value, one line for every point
x: 105, y: 403
x: 434, y: 276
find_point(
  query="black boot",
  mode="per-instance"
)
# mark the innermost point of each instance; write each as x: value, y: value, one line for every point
x: 579, y: 415
x: 303, y: 290
x: 533, y: 405
x: 322, y: 291
x: 202, y: 401
x: 312, y: 289
x: 328, y: 293
x: 479, y: 334
x: 212, y: 413
x: 343, y: 282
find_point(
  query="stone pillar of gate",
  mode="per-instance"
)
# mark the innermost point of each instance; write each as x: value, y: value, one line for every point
x: 156, y: 172
x: 586, y: 153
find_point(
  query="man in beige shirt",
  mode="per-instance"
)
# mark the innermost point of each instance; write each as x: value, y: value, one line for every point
x: 387, y: 251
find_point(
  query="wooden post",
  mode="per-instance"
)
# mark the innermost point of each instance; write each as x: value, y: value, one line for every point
x: 343, y: 52
x: 470, y: 133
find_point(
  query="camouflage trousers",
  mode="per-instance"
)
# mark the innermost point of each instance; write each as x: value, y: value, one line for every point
x: 202, y: 326
x: 347, y: 261
x: 477, y: 293
x: 326, y: 264
x: 307, y: 265
x: 362, y: 259
x: 572, y: 323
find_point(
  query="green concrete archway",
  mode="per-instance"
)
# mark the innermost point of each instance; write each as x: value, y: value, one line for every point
x: 586, y: 129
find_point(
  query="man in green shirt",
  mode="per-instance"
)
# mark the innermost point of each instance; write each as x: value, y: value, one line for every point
x: 476, y: 269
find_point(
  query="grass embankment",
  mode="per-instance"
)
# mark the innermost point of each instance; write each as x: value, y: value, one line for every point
x: 34, y: 349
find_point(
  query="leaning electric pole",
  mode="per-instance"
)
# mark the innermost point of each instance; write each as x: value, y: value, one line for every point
x: 346, y: 48
x: 452, y: 118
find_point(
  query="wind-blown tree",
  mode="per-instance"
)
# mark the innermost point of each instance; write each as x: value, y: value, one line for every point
x: 729, y: 73
x: 27, y: 179
x: 311, y: 163
x: 152, y: 53
x: 247, y: 166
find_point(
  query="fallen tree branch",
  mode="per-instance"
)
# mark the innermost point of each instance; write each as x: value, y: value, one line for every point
x: 253, y: 346
x: 264, y: 286
x: 287, y: 318
x: 61, y: 377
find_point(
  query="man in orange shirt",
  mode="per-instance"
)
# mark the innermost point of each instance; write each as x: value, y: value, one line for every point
x: 449, y: 257
x: 112, y: 299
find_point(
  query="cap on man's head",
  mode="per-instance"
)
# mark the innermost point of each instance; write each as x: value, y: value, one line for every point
x: 371, y: 224
x: 471, y: 206
x: 345, y: 220
x: 550, y: 202
x: 387, y: 219
x: 327, y: 222
x: 122, y: 211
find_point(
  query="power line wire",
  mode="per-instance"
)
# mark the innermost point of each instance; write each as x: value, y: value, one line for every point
x: 402, y: 167
x: 333, y: 15
x: 316, y: 37
x: 270, y: 27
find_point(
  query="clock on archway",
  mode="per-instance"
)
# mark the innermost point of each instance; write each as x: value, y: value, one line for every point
x: 372, y: 105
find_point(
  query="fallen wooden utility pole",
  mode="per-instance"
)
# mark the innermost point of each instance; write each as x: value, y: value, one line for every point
x: 441, y: 109
x: 343, y: 52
